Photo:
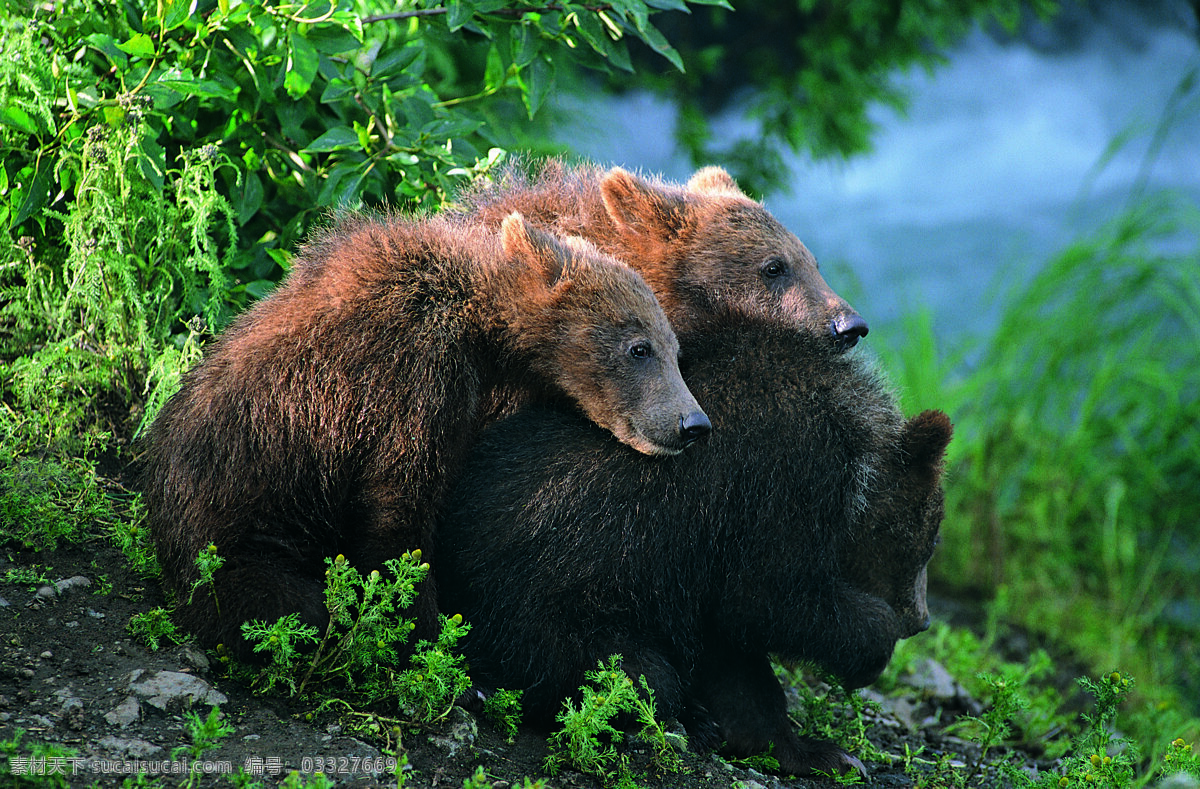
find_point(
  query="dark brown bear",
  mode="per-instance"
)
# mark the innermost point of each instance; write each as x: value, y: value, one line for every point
x: 708, y: 251
x: 801, y: 530
x: 330, y: 416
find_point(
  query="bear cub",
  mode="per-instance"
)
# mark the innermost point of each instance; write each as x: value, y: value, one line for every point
x: 330, y: 416
x: 708, y: 251
x: 801, y: 531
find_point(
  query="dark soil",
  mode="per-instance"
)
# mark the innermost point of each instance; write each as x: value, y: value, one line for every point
x: 72, y: 675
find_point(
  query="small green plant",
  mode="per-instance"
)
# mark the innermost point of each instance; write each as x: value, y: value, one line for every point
x: 437, y: 675
x: 829, y: 711
x: 206, y: 734
x: 503, y: 709
x: 586, y: 740
x: 154, y: 625
x: 1180, y: 758
x: 133, y: 540
x: 358, y: 653
x: 480, y: 780
x: 208, y: 561
x: 32, y: 576
x: 39, y: 764
x: 297, y: 780
x: 992, y: 728
x: 1098, y: 758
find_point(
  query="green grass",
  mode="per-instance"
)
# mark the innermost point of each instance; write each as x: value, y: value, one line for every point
x: 1072, y: 477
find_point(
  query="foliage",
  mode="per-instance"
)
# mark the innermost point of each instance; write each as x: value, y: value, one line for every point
x: 479, y: 780
x: 807, y: 73
x: 586, y: 741
x: 1070, y: 485
x: 161, y: 159
x: 154, y: 625
x: 32, y: 769
x: 359, y: 654
x: 503, y: 709
x: 208, y: 561
x: 205, y: 734
x: 44, y: 502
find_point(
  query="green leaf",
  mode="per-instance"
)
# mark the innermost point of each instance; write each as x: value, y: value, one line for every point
x: 249, y: 198
x: 108, y: 45
x: 333, y: 40
x: 537, y: 79
x: 668, y: 5
x: 335, y: 139
x: 495, y: 74
x: 592, y: 29
x: 140, y: 46
x: 458, y: 13
x: 524, y: 44
x: 19, y: 119
x: 34, y: 196
x: 219, y: 87
x: 301, y: 65
x: 399, y: 60
x: 650, y: 34
x: 152, y: 161
x: 175, y: 12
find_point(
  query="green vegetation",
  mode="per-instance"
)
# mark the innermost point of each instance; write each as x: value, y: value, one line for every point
x: 1071, y: 483
x: 588, y: 737
x: 357, y: 661
x: 154, y: 626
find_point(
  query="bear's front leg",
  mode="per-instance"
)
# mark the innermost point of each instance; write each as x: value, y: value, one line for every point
x: 740, y: 691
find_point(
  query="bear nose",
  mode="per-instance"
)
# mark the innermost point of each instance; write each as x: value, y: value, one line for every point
x: 848, y: 329
x: 693, y: 426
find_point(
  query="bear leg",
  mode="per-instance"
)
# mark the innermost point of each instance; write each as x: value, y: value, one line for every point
x: 747, y: 704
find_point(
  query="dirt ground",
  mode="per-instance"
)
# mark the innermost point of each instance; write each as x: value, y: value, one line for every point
x: 72, y: 676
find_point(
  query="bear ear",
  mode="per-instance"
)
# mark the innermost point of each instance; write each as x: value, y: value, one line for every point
x: 714, y: 180
x: 641, y: 207
x: 535, y: 248
x: 924, y: 439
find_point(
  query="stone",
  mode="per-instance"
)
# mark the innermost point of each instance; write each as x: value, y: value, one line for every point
x: 164, y: 689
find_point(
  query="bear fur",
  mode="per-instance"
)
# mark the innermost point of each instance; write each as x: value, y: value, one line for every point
x: 801, y: 530
x: 707, y: 250
x: 330, y: 416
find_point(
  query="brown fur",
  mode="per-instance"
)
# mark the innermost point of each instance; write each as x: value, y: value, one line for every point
x: 329, y: 417
x: 706, y: 249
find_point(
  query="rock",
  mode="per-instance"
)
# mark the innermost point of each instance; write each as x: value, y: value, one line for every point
x: 164, y: 689
x: 131, y: 748
x: 933, y: 681
x: 194, y: 657
x: 71, y: 584
x: 72, y: 708
x: 461, y: 731
x: 124, y: 714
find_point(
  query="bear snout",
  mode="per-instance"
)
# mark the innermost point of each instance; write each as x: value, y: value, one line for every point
x: 848, y: 329
x: 694, y: 426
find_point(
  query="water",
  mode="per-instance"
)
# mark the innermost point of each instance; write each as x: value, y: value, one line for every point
x: 1002, y: 158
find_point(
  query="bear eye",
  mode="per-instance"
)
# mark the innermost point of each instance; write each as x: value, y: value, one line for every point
x: 774, y: 268
x: 641, y: 350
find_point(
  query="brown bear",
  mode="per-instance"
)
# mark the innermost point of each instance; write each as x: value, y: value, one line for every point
x: 328, y: 418
x: 707, y: 250
x: 802, y: 530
